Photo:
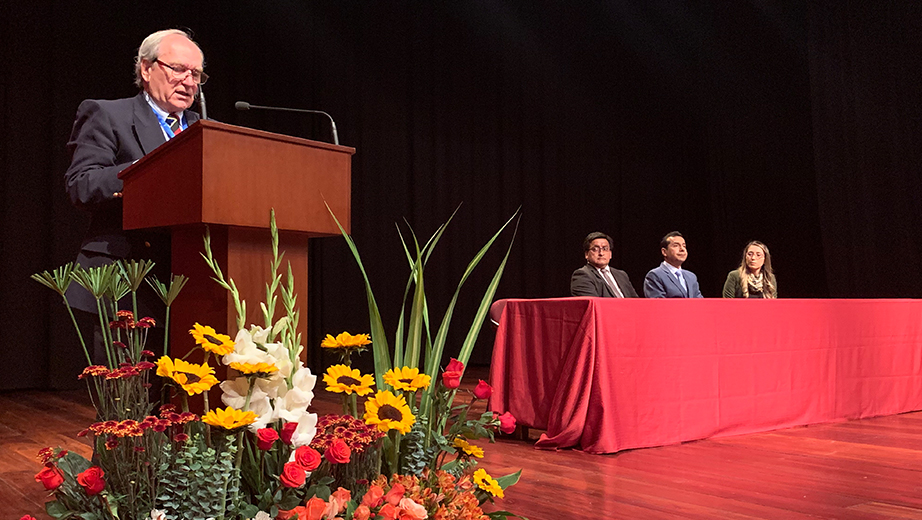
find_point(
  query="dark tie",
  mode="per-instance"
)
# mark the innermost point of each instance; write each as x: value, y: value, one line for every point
x: 173, y: 121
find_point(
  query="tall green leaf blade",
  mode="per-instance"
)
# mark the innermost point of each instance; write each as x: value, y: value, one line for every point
x: 378, y: 337
x: 438, y: 346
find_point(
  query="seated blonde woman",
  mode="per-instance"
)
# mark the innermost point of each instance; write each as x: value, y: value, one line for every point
x: 754, y: 277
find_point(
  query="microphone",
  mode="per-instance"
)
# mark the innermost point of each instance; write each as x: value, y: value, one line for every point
x: 243, y: 105
x: 201, y: 102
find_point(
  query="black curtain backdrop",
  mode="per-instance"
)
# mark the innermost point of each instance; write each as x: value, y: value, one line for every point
x: 730, y: 121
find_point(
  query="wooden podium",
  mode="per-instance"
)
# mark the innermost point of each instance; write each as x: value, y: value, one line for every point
x: 228, y: 178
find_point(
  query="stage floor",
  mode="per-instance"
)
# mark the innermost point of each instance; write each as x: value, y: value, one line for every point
x: 866, y: 469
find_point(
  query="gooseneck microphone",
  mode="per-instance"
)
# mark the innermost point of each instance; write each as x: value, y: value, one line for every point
x: 243, y: 105
x: 201, y: 102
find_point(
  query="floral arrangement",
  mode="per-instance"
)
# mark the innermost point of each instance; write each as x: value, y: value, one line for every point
x: 409, y: 454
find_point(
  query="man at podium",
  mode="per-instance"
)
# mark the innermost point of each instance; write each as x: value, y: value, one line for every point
x: 110, y: 135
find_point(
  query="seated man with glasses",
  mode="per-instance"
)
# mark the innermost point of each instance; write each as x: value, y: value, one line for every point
x: 596, y: 278
x: 110, y: 135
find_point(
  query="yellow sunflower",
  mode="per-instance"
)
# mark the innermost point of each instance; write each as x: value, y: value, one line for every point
x: 406, y: 378
x: 342, y: 379
x: 229, y: 418
x: 485, y: 482
x: 346, y: 340
x: 470, y: 449
x: 211, y: 341
x: 254, y: 368
x: 389, y: 412
x: 194, y: 379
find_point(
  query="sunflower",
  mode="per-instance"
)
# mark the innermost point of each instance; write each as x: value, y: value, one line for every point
x: 346, y: 340
x: 406, y: 378
x: 194, y: 379
x: 485, y: 482
x: 211, y: 341
x: 259, y: 369
x: 389, y: 412
x: 229, y: 418
x: 470, y: 449
x: 342, y: 379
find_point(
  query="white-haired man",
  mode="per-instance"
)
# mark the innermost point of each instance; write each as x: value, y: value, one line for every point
x: 110, y: 135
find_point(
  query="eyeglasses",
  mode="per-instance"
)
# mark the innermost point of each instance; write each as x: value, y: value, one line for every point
x: 179, y: 73
x: 596, y: 249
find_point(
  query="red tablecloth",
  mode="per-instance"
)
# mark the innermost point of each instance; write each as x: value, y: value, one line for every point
x: 612, y: 374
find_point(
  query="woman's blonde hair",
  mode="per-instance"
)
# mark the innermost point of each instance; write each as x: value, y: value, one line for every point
x: 769, y: 290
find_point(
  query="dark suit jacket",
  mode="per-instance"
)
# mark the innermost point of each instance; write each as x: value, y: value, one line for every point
x: 660, y: 283
x: 108, y: 136
x: 586, y: 281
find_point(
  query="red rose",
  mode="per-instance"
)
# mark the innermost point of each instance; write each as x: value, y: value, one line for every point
x: 50, y: 477
x: 30, y: 517
x: 287, y: 431
x: 93, y: 480
x: 451, y: 377
x: 339, y: 452
x: 506, y: 423
x: 307, y: 457
x: 293, y: 475
x: 483, y: 390
x: 265, y: 438
x: 374, y: 497
x: 395, y: 494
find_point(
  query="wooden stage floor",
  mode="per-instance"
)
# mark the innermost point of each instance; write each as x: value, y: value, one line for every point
x: 868, y: 469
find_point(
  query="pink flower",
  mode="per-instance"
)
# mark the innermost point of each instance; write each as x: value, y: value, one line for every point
x: 411, y: 510
x: 287, y: 431
x: 483, y: 390
x: 337, y: 503
x: 27, y: 517
x: 265, y: 438
x: 506, y: 423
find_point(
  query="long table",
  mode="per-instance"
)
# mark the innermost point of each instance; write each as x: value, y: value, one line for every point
x: 607, y: 374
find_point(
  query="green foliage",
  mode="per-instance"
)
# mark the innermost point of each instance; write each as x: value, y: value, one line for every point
x: 197, y: 482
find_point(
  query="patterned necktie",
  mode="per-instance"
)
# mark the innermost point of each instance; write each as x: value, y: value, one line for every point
x: 172, y: 121
x: 609, y: 279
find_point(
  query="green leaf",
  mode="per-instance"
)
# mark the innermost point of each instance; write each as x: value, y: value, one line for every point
x: 509, y: 480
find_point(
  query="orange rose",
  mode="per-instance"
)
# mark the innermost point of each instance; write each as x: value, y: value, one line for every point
x: 395, y: 494
x: 389, y: 512
x: 374, y: 497
x: 361, y: 513
x: 50, y: 477
x: 338, y: 501
x: 315, y: 508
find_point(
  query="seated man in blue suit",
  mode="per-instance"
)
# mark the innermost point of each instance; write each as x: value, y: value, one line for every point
x: 669, y: 280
